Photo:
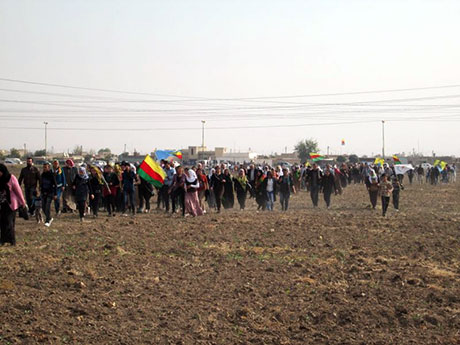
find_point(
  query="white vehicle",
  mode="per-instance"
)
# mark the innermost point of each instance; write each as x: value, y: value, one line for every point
x: 12, y: 161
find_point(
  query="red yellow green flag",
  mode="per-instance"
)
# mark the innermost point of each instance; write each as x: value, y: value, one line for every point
x: 152, y: 172
x: 316, y: 157
x: 177, y: 154
x: 396, y: 159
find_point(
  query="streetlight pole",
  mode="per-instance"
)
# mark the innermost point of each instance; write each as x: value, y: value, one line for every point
x: 383, y: 139
x: 202, y: 137
x: 46, y: 137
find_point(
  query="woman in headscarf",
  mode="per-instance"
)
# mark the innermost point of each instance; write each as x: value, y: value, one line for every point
x: 328, y: 186
x: 97, y: 183
x: 11, y: 199
x: 261, y: 197
x: 373, y: 188
x: 192, y: 204
x: 203, y: 189
x: 228, y: 200
x: 241, y: 188
x: 82, y: 189
x: 211, y: 198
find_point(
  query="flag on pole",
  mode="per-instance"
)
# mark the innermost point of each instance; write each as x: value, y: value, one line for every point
x: 150, y: 171
x: 177, y: 154
x: 436, y: 162
x: 316, y: 157
x: 343, y: 142
x: 379, y: 161
x: 401, y: 169
x: 396, y: 160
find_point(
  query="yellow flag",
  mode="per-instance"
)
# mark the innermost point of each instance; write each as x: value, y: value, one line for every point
x: 442, y: 165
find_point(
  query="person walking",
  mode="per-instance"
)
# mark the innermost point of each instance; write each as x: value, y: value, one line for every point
x: 269, y: 188
x: 164, y: 190
x: 82, y: 189
x: 386, y: 189
x: 177, y: 190
x: 110, y: 191
x: 128, y: 181
x: 285, y: 186
x: 228, y: 198
x: 372, y: 185
x: 70, y: 172
x: 261, y: 195
x: 11, y: 199
x: 48, y: 191
x: 397, y: 187
x: 241, y: 185
x: 192, y: 204
x: 203, y: 189
x: 328, y: 186
x: 59, y: 176
x: 96, y: 184
x: 30, y: 176
x: 146, y: 191
x: 314, y: 181
x: 216, y: 186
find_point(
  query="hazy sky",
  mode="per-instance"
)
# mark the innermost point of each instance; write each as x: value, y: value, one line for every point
x: 195, y: 60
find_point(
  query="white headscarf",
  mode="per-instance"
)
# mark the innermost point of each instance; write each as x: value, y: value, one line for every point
x: 191, y: 177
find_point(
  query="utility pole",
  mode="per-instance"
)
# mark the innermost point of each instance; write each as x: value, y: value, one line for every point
x: 46, y: 138
x: 383, y: 139
x: 328, y: 150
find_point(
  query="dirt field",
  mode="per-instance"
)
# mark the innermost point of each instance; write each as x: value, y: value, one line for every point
x: 308, y: 276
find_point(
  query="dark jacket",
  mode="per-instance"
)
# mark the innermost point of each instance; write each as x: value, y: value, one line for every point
x: 314, y: 177
x: 30, y: 176
x: 328, y: 184
x: 82, y: 188
x: 216, y: 182
x: 70, y: 174
x: 285, y: 184
x: 48, y: 183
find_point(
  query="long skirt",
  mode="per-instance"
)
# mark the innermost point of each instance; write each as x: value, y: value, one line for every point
x: 192, y: 204
x: 7, y: 224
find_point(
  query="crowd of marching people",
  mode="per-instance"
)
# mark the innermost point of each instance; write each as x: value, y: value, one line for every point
x: 86, y: 189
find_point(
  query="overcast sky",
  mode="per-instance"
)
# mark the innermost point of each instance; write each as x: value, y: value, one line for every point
x: 187, y: 61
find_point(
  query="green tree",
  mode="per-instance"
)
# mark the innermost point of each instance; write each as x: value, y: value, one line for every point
x: 2, y: 156
x: 341, y: 159
x: 14, y: 153
x: 39, y: 153
x: 104, y: 151
x: 353, y: 158
x: 305, y: 147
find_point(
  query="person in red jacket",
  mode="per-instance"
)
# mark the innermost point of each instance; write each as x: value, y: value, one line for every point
x: 11, y: 199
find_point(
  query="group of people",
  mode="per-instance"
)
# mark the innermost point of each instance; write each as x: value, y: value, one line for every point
x: 87, y: 188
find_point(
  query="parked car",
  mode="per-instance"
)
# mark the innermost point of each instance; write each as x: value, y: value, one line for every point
x: 13, y: 161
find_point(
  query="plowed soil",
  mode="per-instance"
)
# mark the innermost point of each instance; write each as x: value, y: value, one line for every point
x: 308, y: 276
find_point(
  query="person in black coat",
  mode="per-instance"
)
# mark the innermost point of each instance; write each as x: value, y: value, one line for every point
x: 48, y: 191
x: 328, y: 186
x: 241, y: 185
x: 228, y: 199
x: 314, y: 181
x: 216, y: 185
x: 82, y: 189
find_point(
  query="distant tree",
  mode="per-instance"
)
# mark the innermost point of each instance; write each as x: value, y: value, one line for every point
x: 26, y: 155
x: 77, y: 150
x: 2, y: 156
x: 39, y: 153
x: 341, y: 159
x: 305, y: 147
x: 104, y: 151
x: 353, y: 158
x: 14, y: 153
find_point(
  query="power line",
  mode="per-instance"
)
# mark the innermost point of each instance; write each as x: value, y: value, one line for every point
x: 232, y: 98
